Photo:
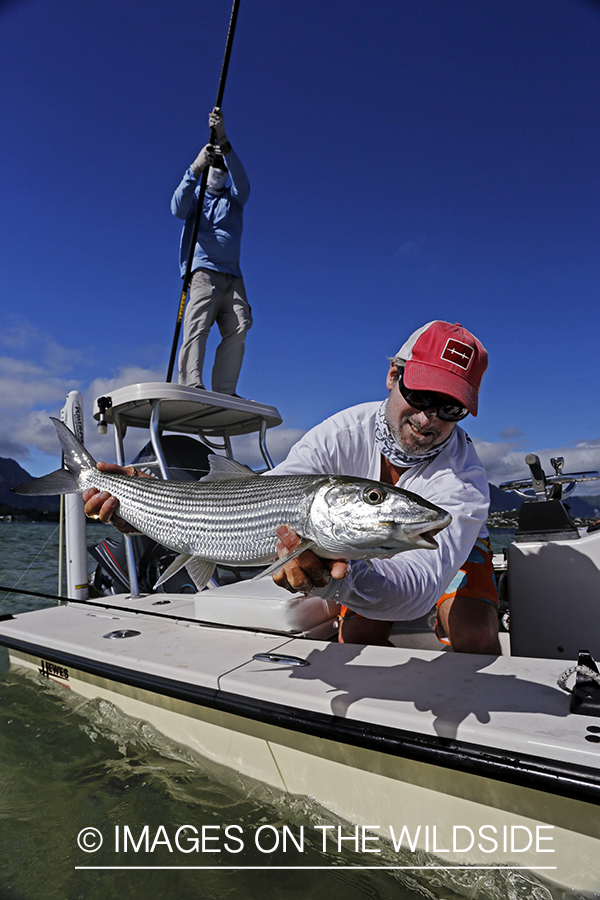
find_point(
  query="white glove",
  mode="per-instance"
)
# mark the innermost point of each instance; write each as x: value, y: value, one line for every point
x: 205, y: 158
x: 217, y: 123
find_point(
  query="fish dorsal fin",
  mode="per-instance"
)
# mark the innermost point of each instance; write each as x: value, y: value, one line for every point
x: 223, y: 469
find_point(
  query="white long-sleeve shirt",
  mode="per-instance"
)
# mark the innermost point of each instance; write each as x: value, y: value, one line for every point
x: 410, y: 583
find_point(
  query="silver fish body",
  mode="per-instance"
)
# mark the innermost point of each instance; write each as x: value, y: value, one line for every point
x: 230, y: 517
x: 231, y: 522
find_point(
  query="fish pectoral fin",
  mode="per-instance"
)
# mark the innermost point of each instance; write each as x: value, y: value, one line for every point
x: 224, y: 469
x: 178, y: 563
x: 200, y: 570
x: 305, y: 544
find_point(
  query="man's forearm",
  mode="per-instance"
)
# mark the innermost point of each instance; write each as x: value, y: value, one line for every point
x: 184, y: 196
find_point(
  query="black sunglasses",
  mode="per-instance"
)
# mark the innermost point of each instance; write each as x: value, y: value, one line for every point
x: 445, y: 408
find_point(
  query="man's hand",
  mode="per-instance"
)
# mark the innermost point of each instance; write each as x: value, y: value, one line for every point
x: 217, y: 123
x: 205, y: 158
x: 102, y: 505
x: 307, y: 571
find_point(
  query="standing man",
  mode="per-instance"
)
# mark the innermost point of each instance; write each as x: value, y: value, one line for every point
x: 411, y: 440
x: 217, y: 291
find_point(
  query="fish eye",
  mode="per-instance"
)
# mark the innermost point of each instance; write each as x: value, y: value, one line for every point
x: 374, y: 495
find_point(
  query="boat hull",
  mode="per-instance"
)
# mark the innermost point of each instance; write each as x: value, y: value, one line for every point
x: 322, y: 730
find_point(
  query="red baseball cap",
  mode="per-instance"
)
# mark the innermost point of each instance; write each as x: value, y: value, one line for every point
x: 446, y: 359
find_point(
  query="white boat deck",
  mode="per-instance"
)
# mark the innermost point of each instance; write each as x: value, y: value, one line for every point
x: 505, y: 702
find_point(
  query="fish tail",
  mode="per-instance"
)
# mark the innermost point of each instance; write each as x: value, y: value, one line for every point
x: 75, y: 456
x: 65, y: 480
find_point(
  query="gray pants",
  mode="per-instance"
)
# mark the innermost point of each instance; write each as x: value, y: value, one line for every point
x: 214, y: 296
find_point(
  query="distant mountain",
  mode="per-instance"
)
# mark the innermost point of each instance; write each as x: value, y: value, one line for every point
x: 12, y: 474
x: 500, y: 501
x: 585, y: 507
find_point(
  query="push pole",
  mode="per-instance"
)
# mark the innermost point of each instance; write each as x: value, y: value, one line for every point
x: 188, y: 268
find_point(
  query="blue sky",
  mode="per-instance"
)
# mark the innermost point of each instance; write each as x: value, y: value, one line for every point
x: 409, y: 160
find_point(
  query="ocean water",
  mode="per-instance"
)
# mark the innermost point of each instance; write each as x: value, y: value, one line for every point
x: 69, y: 764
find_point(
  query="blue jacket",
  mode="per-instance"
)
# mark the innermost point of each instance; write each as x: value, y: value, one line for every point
x: 220, y: 232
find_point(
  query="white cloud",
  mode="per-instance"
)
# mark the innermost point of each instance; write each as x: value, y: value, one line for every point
x: 279, y: 442
x: 102, y: 446
x: 36, y: 374
x: 503, y: 463
x: 500, y: 461
x: 25, y: 384
x: 18, y: 335
x: 35, y: 387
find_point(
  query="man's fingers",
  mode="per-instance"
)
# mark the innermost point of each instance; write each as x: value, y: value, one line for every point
x: 113, y: 468
x: 339, y: 569
x: 108, y: 509
x: 318, y: 570
x: 307, y: 570
x: 293, y: 578
x: 101, y: 505
x: 289, y: 539
x: 93, y: 503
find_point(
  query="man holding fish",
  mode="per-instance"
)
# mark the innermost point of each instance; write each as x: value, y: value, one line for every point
x: 411, y: 441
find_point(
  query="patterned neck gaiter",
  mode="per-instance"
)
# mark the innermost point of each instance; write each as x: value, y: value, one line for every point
x: 391, y: 449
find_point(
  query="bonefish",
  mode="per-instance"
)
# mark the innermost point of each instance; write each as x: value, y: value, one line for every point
x: 230, y: 516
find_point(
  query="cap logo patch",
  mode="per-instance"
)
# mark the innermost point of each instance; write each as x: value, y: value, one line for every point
x: 457, y: 353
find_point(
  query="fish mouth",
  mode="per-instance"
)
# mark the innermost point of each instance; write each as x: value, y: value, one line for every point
x: 429, y: 537
x: 424, y: 534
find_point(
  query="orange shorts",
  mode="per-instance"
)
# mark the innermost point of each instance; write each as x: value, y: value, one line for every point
x: 474, y: 579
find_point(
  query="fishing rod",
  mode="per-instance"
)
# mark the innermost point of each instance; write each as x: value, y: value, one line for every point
x: 190, y: 259
x: 18, y: 590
